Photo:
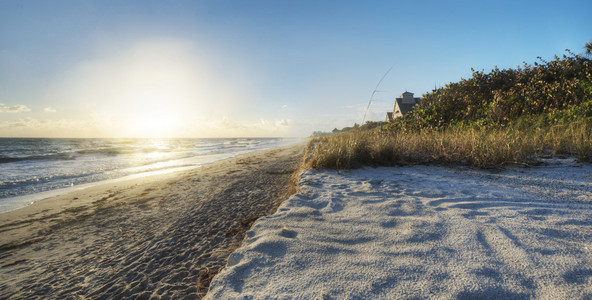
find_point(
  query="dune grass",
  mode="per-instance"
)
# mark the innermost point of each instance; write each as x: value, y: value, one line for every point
x: 490, y: 119
x: 483, y: 148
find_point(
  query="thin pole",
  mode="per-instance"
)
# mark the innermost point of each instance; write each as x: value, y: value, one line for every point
x: 374, y: 92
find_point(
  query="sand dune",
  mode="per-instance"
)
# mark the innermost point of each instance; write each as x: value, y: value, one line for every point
x: 422, y: 232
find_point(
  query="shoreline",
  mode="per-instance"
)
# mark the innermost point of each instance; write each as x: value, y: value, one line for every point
x: 15, y: 202
x: 90, y: 242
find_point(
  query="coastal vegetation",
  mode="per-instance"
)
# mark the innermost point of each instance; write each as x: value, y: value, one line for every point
x: 505, y: 116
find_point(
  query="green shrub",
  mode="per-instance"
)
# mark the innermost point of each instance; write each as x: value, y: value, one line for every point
x: 491, y: 119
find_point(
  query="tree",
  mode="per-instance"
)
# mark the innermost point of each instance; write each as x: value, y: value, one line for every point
x: 588, y: 48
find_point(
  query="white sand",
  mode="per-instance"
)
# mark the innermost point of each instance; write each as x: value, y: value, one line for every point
x: 422, y: 231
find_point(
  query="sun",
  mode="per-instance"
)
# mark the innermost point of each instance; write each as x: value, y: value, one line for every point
x: 155, y: 89
x: 155, y: 113
x: 153, y: 125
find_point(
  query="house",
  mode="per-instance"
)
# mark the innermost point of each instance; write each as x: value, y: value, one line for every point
x: 402, y: 106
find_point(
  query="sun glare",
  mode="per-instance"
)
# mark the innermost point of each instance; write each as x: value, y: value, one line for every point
x: 155, y: 113
x: 153, y: 125
x: 156, y: 88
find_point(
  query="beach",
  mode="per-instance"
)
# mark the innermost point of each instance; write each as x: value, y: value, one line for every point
x: 255, y: 230
x: 158, y: 236
x: 422, y: 232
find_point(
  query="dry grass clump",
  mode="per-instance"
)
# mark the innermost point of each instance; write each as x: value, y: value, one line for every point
x: 204, y: 278
x: 491, y: 119
x: 484, y: 148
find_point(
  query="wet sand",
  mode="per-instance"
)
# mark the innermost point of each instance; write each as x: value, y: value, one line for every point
x: 162, y: 236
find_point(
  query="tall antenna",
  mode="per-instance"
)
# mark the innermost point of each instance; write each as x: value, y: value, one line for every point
x: 374, y: 92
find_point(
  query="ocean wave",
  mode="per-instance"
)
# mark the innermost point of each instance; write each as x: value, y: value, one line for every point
x: 29, y: 166
x: 104, y: 151
x: 53, y: 156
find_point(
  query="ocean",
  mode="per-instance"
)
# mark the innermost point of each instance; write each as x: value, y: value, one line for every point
x: 35, y: 168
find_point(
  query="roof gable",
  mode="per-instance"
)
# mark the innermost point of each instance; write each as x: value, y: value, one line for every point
x: 404, y: 107
x: 389, y: 116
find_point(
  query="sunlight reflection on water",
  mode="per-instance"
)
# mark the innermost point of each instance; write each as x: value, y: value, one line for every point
x: 30, y: 169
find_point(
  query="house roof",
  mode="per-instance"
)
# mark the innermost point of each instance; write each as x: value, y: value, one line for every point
x: 405, y: 107
x: 389, y: 116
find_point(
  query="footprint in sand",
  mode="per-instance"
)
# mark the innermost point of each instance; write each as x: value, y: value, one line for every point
x: 287, y: 233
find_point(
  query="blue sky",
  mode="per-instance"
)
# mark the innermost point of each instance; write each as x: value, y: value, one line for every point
x: 252, y: 68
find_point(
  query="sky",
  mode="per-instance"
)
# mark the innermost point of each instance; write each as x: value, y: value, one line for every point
x: 253, y: 68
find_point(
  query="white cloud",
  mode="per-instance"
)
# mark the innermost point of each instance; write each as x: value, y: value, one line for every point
x: 283, y: 122
x: 266, y: 125
x: 284, y: 106
x: 14, y: 109
x: 226, y: 127
x: 49, y: 124
x: 30, y: 127
x: 49, y: 110
x: 225, y: 123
